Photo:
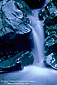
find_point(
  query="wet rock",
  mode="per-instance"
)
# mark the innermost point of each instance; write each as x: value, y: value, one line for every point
x: 47, y: 10
x: 51, y: 60
x: 17, y: 62
x: 51, y: 19
x: 49, y: 16
x: 26, y: 59
x: 50, y: 29
x: 15, y: 33
x: 16, y: 67
x: 55, y: 2
x: 10, y: 64
x: 34, y: 3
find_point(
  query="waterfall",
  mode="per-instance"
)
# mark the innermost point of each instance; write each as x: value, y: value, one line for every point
x: 33, y: 74
x: 38, y: 37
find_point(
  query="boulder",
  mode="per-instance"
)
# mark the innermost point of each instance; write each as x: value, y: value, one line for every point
x: 51, y: 60
x: 49, y: 17
x: 16, y: 62
x: 15, y: 32
x: 26, y: 59
x: 47, y: 10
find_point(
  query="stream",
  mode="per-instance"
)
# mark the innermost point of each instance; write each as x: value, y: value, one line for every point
x: 38, y: 73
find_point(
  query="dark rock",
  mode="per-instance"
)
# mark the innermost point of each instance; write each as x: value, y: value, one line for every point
x: 15, y: 33
x: 47, y: 10
x: 26, y: 59
x: 49, y: 16
x: 17, y: 62
x: 16, y: 67
x: 34, y: 3
x: 51, y: 42
x: 50, y: 36
x: 51, y: 20
x: 55, y: 2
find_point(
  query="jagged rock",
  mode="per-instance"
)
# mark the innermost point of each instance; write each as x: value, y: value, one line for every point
x: 15, y: 32
x: 47, y: 10
x: 26, y: 59
x: 52, y: 19
x: 34, y: 3
x: 10, y: 63
x: 16, y: 62
x: 50, y: 29
x: 51, y: 60
x: 49, y: 15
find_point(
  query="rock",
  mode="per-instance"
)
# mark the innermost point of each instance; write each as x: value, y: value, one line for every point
x: 52, y: 19
x: 55, y: 2
x: 49, y: 16
x: 16, y: 67
x: 26, y: 59
x: 34, y: 3
x: 51, y: 60
x: 15, y: 33
x: 50, y: 29
x: 16, y: 62
x: 10, y: 64
x: 47, y: 10
x: 51, y: 40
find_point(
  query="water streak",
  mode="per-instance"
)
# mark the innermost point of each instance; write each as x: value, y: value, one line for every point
x: 38, y: 36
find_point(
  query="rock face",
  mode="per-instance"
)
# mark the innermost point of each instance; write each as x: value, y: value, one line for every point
x: 17, y: 62
x: 47, y: 10
x: 34, y: 3
x: 15, y: 32
x: 49, y: 15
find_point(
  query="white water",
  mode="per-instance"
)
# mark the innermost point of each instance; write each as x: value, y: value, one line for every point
x: 38, y: 37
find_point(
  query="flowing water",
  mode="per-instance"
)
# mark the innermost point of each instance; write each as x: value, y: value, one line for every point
x: 36, y: 74
x: 38, y: 37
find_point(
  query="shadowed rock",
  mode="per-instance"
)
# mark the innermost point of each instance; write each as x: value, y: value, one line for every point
x: 15, y: 32
x: 49, y: 15
x: 34, y: 3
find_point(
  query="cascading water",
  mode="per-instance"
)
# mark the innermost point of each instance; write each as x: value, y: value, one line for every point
x: 38, y: 37
x: 34, y: 74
